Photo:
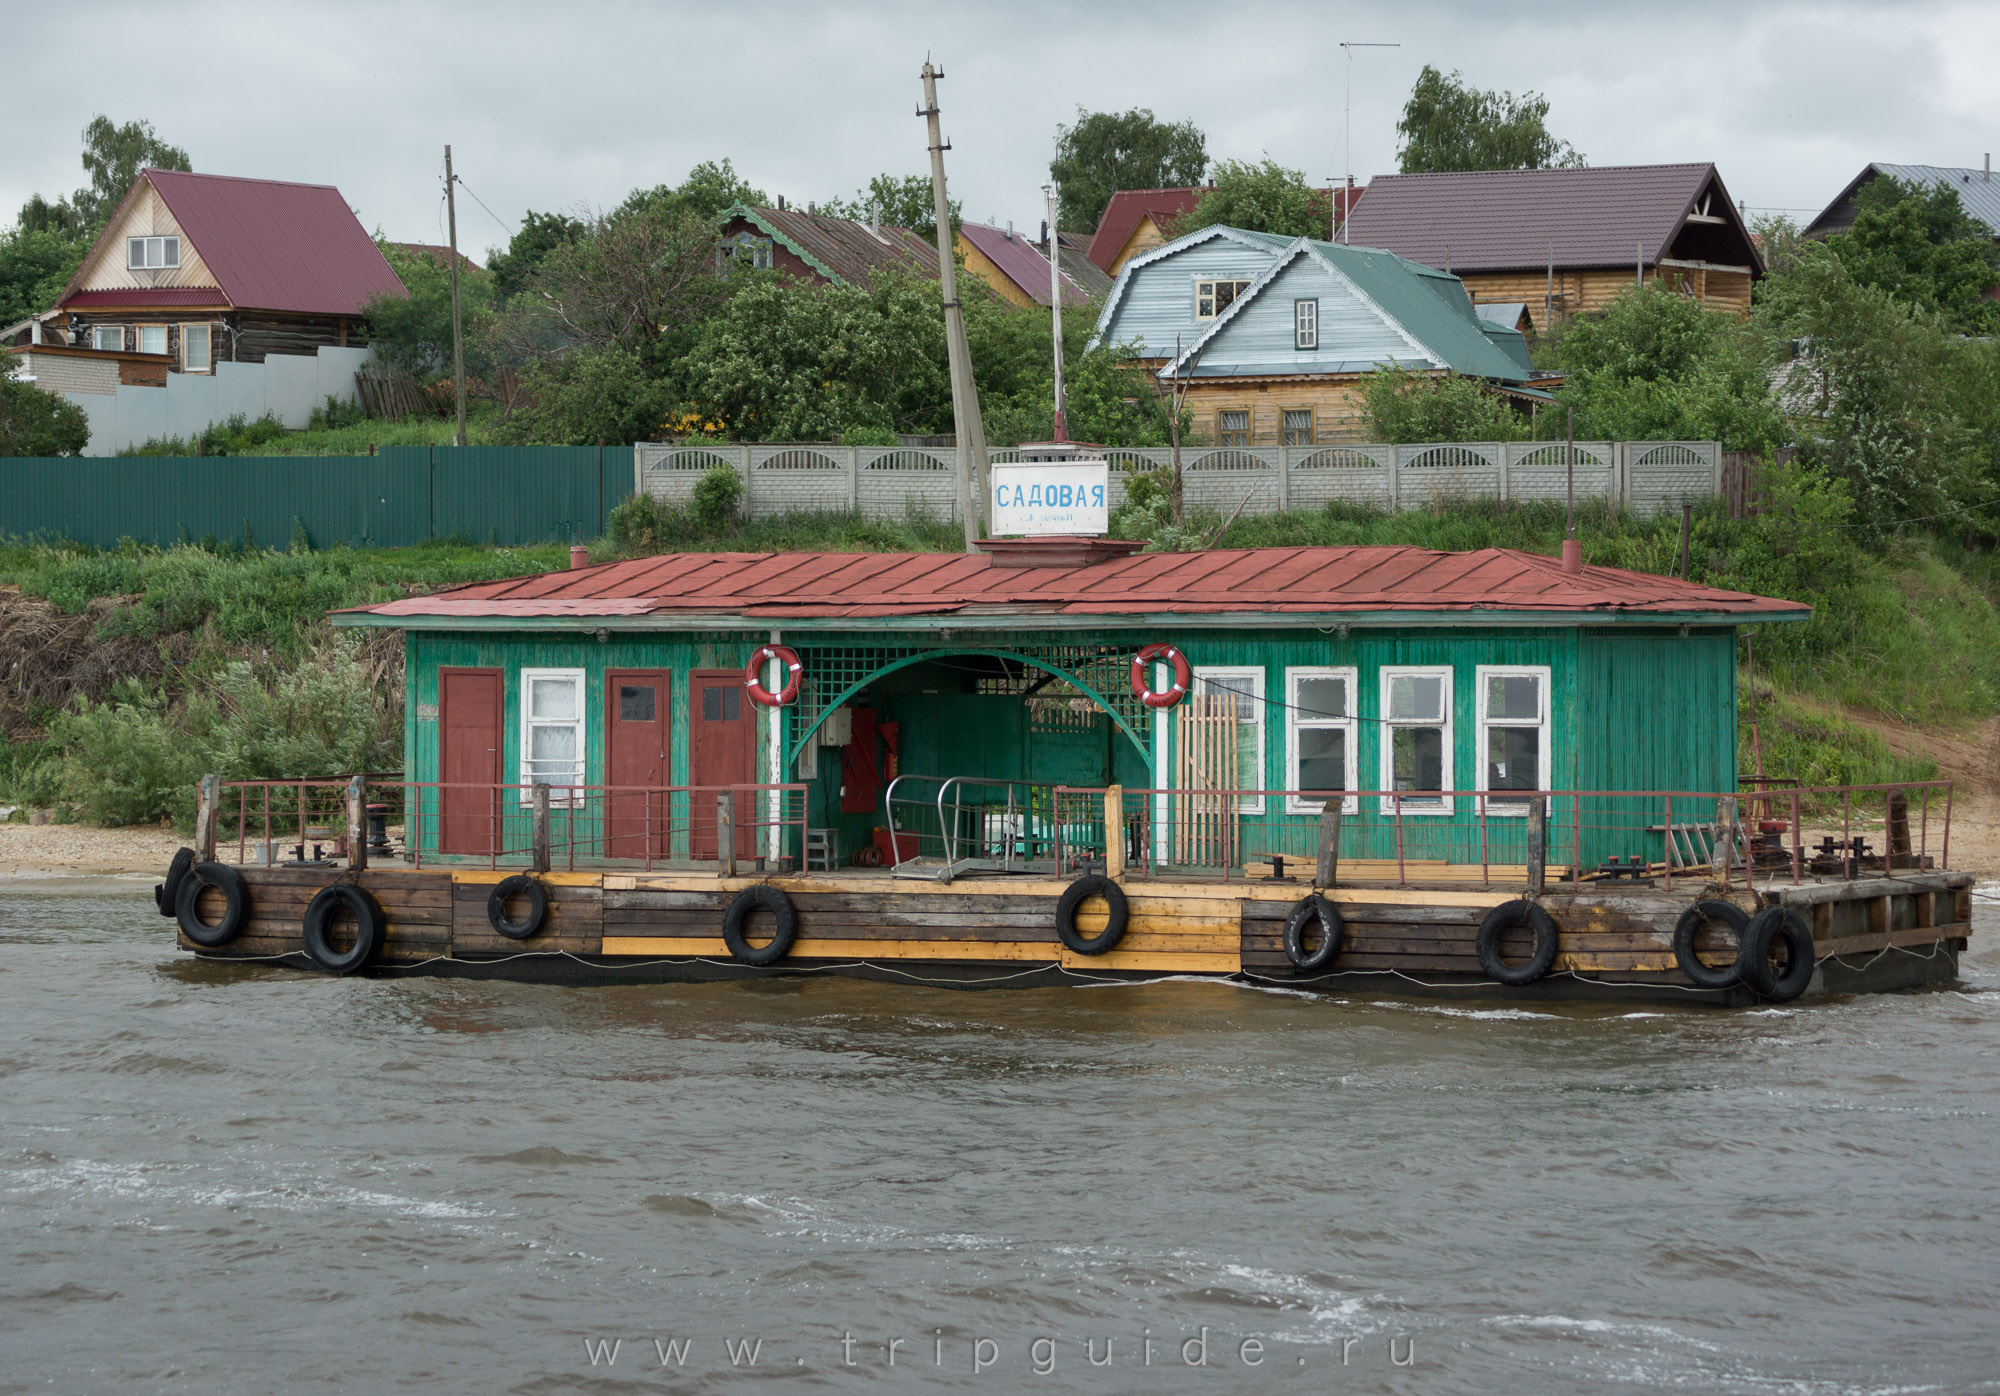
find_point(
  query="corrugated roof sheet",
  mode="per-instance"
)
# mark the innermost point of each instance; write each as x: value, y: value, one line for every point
x: 766, y: 587
x: 1074, y: 249
x: 844, y: 248
x: 141, y: 297
x: 277, y: 246
x: 1020, y: 261
x: 1978, y: 193
x: 1510, y: 220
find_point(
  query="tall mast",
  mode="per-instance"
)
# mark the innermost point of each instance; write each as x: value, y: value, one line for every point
x: 971, y: 433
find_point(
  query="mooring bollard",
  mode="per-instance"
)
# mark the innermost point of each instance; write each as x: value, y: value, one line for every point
x: 207, y: 808
x: 725, y: 833
x: 539, y: 828
x: 357, y: 824
x: 1329, y: 844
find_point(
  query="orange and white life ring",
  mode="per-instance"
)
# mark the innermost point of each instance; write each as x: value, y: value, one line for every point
x: 753, y: 684
x: 1142, y: 686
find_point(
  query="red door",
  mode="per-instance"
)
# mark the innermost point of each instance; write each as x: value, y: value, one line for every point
x: 636, y: 723
x: 471, y: 708
x: 722, y: 750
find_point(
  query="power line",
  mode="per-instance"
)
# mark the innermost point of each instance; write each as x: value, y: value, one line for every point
x: 482, y: 204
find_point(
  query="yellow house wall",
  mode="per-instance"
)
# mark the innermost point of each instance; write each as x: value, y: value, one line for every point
x: 1144, y: 238
x: 105, y: 270
x: 1336, y: 403
x: 984, y: 267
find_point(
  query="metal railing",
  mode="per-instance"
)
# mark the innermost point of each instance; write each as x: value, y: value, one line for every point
x: 1493, y: 837
x: 943, y: 826
x: 537, y: 825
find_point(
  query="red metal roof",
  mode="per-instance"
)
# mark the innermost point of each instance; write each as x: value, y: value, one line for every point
x: 1126, y: 208
x: 764, y: 587
x: 271, y: 245
x: 143, y: 297
x: 1020, y: 261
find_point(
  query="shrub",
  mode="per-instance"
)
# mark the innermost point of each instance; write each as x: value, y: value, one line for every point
x: 718, y: 495
x: 35, y: 423
x: 1405, y: 406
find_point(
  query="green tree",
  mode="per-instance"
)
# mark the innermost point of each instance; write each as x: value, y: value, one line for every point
x: 1448, y: 125
x: 590, y: 394
x: 905, y: 202
x: 414, y: 331
x: 34, y: 268
x: 1403, y: 405
x: 540, y: 234
x: 1919, y: 244
x: 1265, y: 198
x: 1104, y: 152
x: 35, y: 423
x: 709, y: 188
x: 113, y: 155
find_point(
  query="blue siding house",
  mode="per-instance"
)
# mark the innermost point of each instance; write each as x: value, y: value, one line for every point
x: 1277, y: 335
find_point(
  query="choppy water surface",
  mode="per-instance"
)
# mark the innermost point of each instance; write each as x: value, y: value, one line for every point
x: 249, y: 1180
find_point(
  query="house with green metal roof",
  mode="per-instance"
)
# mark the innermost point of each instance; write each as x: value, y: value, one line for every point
x: 1276, y: 336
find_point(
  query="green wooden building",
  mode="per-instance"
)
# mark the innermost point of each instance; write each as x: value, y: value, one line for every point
x: 1423, y: 686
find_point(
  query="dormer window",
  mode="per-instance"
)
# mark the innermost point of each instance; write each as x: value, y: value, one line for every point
x: 152, y: 254
x: 1211, y: 298
x: 1305, y: 324
x: 745, y: 248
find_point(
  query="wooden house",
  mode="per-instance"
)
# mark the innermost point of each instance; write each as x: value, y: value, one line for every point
x: 1278, y: 336
x: 1975, y: 189
x: 1015, y: 268
x: 1073, y: 250
x: 820, y: 248
x: 1138, y: 220
x: 207, y: 269
x: 1564, y: 242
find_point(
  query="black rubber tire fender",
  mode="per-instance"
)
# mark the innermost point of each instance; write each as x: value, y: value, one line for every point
x: 767, y: 898
x: 1331, y: 930
x: 235, y: 904
x: 519, y: 885
x: 167, y: 895
x: 367, y: 928
x: 1700, y: 974
x: 1118, y: 914
x: 1495, y: 924
x: 1775, y: 923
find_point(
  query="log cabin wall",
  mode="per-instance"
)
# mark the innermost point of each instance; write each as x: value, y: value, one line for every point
x: 256, y: 333
x: 1337, y: 404
x: 1585, y: 291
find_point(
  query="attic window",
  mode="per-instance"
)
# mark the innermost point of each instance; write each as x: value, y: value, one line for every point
x: 1211, y: 298
x: 149, y: 254
x: 1305, y: 324
x: 745, y: 248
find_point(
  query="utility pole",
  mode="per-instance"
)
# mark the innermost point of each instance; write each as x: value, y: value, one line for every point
x: 1347, y: 126
x: 457, y: 333
x: 1055, y: 300
x: 971, y: 432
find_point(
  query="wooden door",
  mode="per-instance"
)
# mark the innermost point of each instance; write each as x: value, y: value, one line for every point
x: 722, y: 750
x: 471, y: 710
x: 637, y: 727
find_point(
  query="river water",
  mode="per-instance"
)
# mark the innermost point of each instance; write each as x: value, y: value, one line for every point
x: 243, y: 1179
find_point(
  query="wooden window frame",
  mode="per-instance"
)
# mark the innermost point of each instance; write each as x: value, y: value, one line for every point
x: 528, y: 722
x: 139, y: 338
x: 1543, y: 725
x: 96, y: 330
x: 1305, y: 323
x: 1241, y: 283
x: 208, y: 337
x: 1422, y: 806
x: 1285, y: 431
x: 1298, y: 720
x: 144, y: 242
x: 1247, y: 804
x: 1223, y: 434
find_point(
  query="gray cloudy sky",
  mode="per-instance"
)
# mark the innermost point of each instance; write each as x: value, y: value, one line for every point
x: 566, y: 104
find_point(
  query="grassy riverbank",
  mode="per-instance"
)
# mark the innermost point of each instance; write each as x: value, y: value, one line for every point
x: 139, y: 667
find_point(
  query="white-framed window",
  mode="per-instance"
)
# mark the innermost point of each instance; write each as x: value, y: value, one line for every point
x: 1298, y: 426
x: 1246, y: 684
x: 1416, y: 737
x: 152, y: 339
x: 1513, y: 731
x: 195, y: 356
x: 1211, y: 298
x: 1305, y: 324
x: 108, y: 337
x: 1319, y: 736
x: 1232, y: 428
x: 552, y: 719
x: 151, y: 254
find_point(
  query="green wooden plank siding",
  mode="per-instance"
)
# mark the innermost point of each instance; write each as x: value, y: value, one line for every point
x: 403, y: 495
x: 1638, y: 708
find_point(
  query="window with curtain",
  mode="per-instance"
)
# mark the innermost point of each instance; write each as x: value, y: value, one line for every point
x: 152, y: 339
x: 107, y: 337
x: 1416, y: 737
x: 1298, y: 426
x: 1513, y: 732
x: 194, y: 349
x: 1232, y: 428
x: 552, y: 730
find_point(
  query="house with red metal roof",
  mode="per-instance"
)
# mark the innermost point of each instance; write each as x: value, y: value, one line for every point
x: 1564, y: 242
x: 1016, y: 269
x: 209, y: 269
x: 1138, y: 220
x: 1309, y: 671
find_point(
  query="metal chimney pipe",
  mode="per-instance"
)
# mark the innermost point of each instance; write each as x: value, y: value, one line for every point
x: 579, y: 556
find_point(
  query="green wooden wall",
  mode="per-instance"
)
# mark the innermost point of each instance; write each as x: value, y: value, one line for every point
x: 1632, y: 708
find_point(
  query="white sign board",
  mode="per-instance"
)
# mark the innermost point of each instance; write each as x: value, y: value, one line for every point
x: 1035, y: 499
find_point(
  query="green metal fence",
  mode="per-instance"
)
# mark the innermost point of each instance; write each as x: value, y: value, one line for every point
x: 404, y: 495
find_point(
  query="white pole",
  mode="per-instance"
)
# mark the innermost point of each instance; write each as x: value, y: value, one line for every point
x: 1055, y: 301
x: 1347, y: 122
x: 971, y: 432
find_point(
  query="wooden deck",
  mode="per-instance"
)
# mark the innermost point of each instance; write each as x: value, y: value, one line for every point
x: 996, y: 928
